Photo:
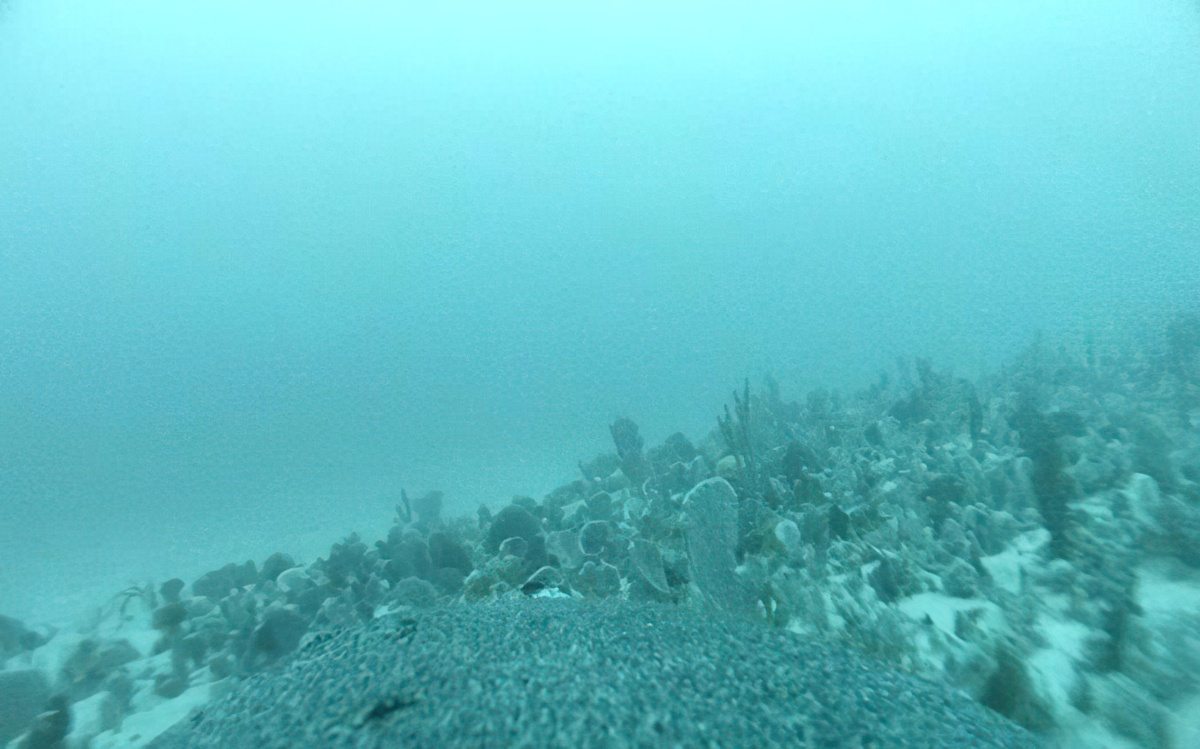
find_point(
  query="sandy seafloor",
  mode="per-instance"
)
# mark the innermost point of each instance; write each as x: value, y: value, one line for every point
x: 1029, y: 542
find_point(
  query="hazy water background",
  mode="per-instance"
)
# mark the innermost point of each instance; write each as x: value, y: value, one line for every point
x: 263, y: 263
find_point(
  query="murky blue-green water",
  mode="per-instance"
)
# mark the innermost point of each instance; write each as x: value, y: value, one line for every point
x: 261, y: 264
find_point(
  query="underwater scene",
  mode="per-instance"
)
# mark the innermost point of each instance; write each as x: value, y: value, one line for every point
x: 600, y: 374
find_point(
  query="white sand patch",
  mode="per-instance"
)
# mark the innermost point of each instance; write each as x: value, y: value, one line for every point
x: 143, y: 726
x: 1054, y: 677
x: 49, y: 658
x: 1065, y: 636
x: 942, y: 609
x: 1169, y: 594
x: 1166, y: 587
x: 1086, y: 733
x: 92, y: 716
x: 1185, y: 723
x: 1006, y: 567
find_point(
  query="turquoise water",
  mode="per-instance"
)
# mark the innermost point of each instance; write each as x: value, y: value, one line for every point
x: 262, y: 266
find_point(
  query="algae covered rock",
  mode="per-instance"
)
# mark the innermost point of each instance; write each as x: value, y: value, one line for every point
x: 511, y: 522
x: 170, y: 686
x: 51, y: 726
x: 961, y: 580
x: 279, y: 633
x: 274, y: 565
x: 447, y: 551
x: 221, y: 582
x: 15, y: 637
x: 23, y: 694
x: 92, y: 662
x: 171, y: 590
x: 412, y: 591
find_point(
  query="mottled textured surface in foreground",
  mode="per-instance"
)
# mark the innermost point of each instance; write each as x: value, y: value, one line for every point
x: 541, y: 672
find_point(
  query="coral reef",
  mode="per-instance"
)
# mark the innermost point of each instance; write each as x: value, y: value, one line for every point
x: 1024, y: 538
